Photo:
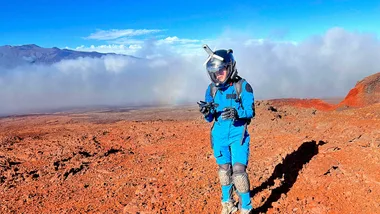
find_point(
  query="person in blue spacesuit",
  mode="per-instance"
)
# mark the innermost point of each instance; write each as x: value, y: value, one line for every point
x: 229, y: 102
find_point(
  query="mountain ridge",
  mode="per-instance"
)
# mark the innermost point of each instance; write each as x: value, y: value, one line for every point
x: 13, y: 56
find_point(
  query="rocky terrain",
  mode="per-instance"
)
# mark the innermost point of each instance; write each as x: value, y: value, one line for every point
x: 366, y: 92
x: 306, y: 156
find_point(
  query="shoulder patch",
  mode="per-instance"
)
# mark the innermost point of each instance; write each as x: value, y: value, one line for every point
x: 248, y: 88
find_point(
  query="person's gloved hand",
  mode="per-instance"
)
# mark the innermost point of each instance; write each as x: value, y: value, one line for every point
x: 229, y: 113
x: 204, y: 108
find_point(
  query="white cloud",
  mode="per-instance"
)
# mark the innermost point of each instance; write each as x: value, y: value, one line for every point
x: 321, y: 66
x: 174, y: 40
x: 249, y: 42
x: 118, y: 33
x: 134, y: 46
x: 111, y: 81
x: 127, y: 41
x: 118, y: 49
x: 181, y: 46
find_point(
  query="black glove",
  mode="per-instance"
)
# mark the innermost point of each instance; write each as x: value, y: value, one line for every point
x: 204, y: 108
x: 229, y: 113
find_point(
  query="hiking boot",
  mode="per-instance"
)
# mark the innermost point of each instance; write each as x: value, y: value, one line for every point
x: 244, y: 211
x: 228, y: 207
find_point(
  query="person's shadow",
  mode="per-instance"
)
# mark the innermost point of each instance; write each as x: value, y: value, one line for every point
x: 288, y: 170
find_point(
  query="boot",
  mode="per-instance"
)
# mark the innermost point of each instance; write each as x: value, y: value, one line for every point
x: 228, y: 207
x: 244, y: 211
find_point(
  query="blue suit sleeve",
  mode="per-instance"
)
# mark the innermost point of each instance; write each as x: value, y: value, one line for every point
x: 208, y: 98
x: 248, y: 102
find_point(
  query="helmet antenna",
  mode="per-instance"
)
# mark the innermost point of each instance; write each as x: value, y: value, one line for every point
x: 211, y: 54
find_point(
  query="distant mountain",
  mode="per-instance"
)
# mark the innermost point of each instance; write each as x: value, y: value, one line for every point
x: 12, y: 56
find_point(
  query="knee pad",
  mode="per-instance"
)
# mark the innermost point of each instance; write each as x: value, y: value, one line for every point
x: 241, y: 182
x: 240, y: 178
x: 224, y: 174
x: 239, y: 168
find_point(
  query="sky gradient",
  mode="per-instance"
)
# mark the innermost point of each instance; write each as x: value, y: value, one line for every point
x: 296, y: 49
x: 70, y: 23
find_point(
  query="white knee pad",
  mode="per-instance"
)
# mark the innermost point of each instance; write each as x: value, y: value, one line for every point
x: 241, y: 182
x: 224, y: 174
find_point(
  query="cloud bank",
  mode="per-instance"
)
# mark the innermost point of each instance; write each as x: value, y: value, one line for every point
x: 116, y: 33
x: 321, y: 66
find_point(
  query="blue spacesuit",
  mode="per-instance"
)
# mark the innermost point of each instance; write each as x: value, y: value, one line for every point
x: 229, y: 135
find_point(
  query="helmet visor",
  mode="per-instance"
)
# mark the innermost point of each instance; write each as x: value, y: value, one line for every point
x: 217, y: 72
x: 215, y: 66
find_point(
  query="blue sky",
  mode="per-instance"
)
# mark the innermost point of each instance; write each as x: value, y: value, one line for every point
x: 70, y: 23
x: 302, y: 49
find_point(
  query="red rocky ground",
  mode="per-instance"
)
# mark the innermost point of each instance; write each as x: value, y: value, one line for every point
x: 302, y: 160
x: 366, y: 92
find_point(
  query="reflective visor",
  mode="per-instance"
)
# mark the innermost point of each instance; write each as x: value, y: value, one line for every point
x: 215, y: 65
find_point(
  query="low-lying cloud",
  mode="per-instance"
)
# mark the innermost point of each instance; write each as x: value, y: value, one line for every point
x: 107, y: 81
x: 116, y: 33
x: 321, y: 66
